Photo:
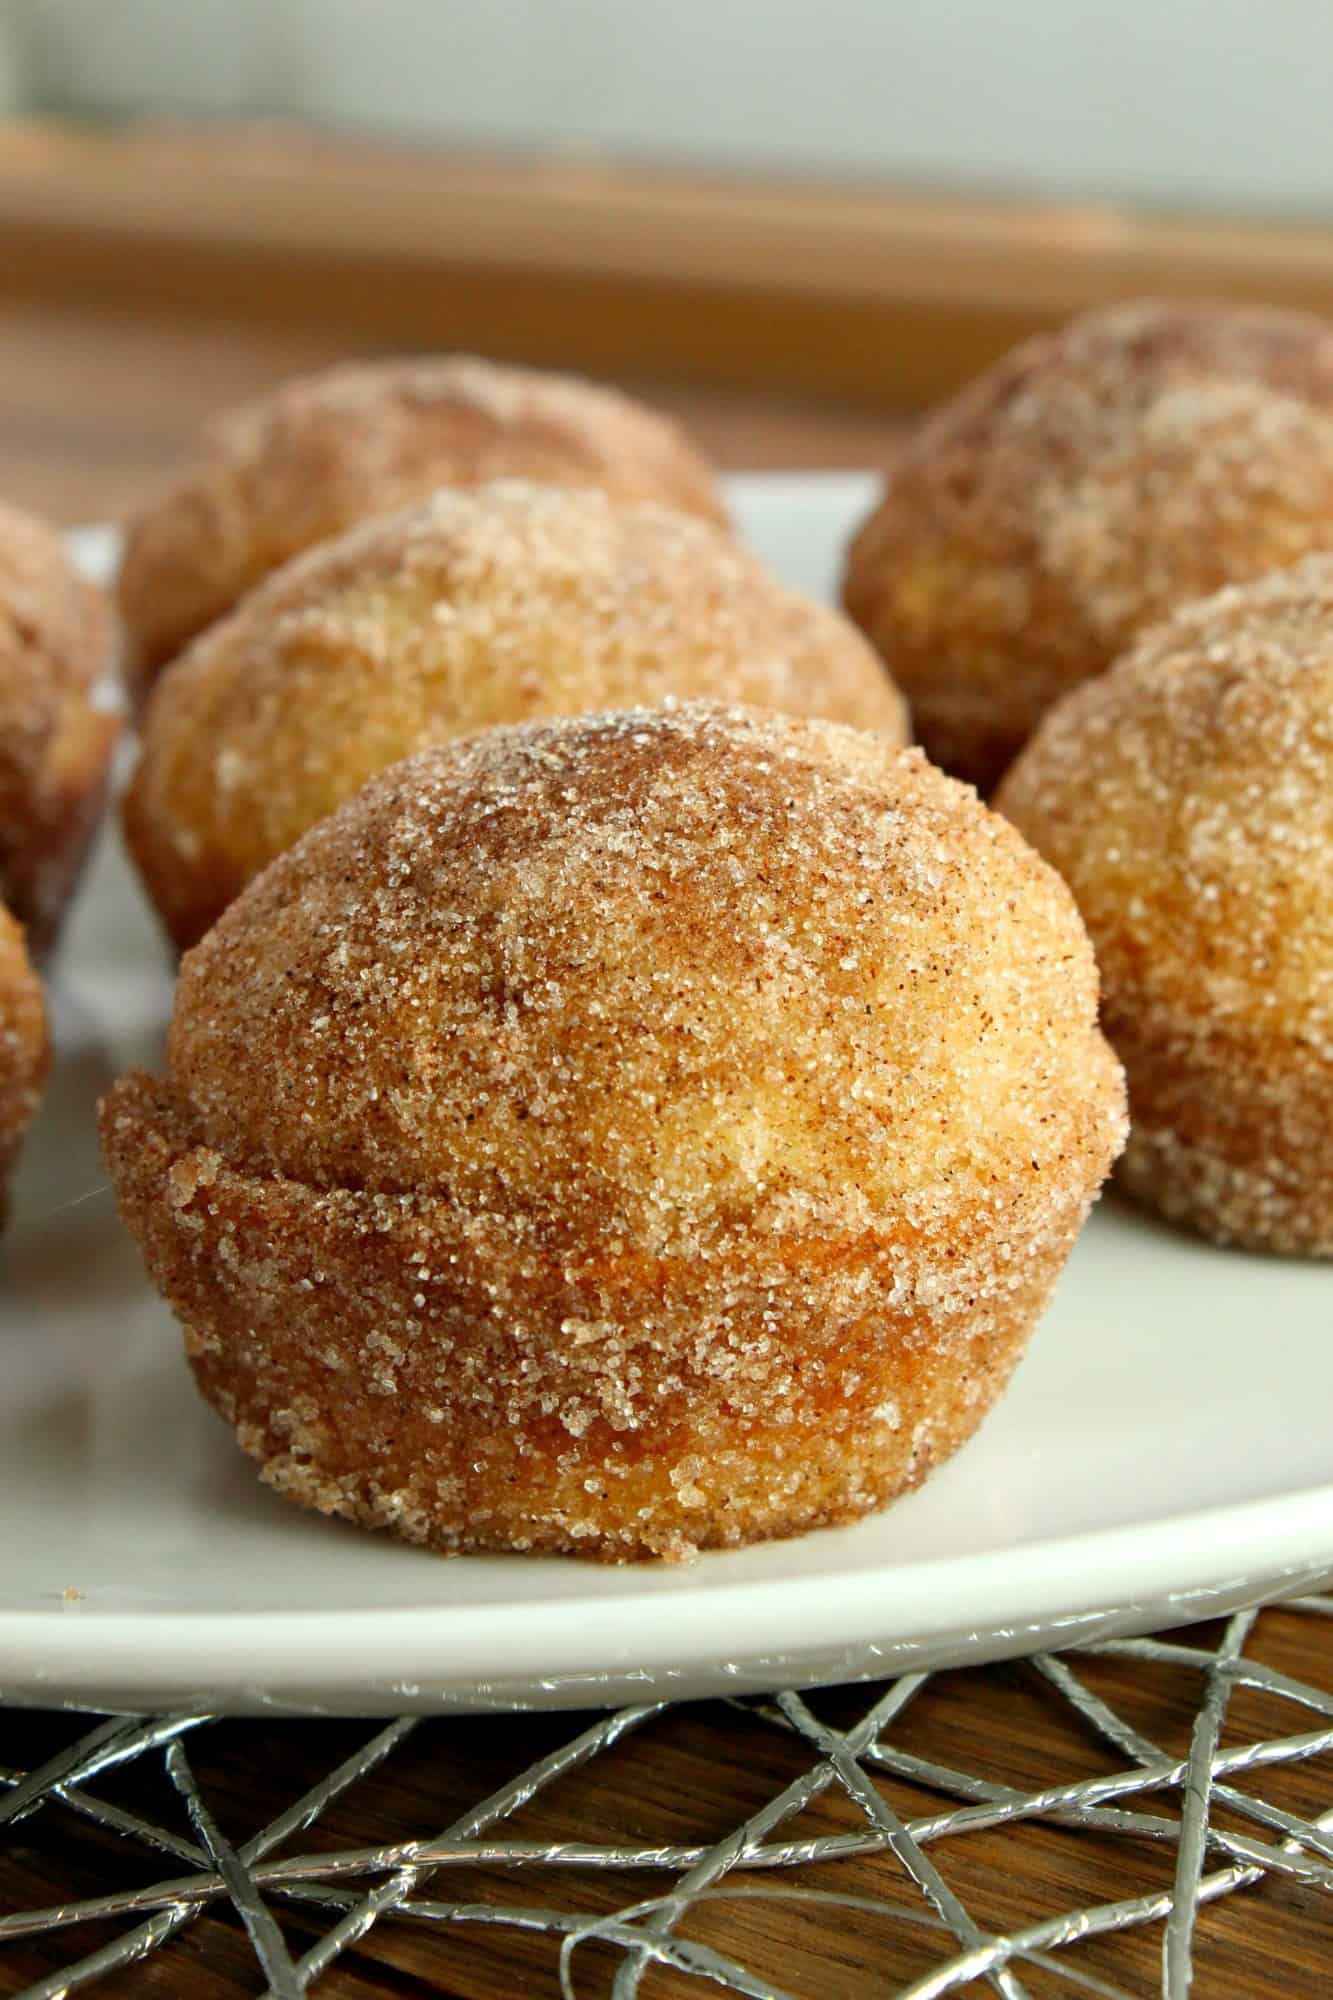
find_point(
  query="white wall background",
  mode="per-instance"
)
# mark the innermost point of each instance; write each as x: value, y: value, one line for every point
x: 1220, y: 103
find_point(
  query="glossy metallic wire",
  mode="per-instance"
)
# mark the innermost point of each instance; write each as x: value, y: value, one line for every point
x: 1105, y: 1722
x: 602, y: 1736
x: 861, y: 1788
x: 796, y: 1796
x: 268, y: 1941
x: 171, y: 1915
x: 334, y: 1887
x: 115, y: 1741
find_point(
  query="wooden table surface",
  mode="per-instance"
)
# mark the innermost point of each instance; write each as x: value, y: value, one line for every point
x: 97, y: 408
x: 93, y: 409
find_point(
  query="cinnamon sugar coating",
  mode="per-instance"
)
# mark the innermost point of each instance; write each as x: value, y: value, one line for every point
x: 625, y: 1135
x: 55, y: 741
x: 1080, y: 489
x: 24, y: 1048
x: 1187, y: 798
x: 503, y: 604
x: 298, y: 466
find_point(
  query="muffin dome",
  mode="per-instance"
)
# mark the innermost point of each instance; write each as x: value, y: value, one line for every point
x: 506, y: 603
x: 1087, y: 484
x: 24, y: 1050
x: 298, y: 466
x: 681, y: 1117
x: 55, y: 739
x: 1187, y: 798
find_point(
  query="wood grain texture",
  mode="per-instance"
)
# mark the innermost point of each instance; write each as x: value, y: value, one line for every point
x: 828, y: 289
x: 97, y: 407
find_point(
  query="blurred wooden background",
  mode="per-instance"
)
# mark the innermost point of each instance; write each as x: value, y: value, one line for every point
x: 149, y: 274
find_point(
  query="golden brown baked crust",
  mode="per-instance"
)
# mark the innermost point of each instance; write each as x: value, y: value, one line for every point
x: 55, y: 742
x: 625, y: 1135
x: 1084, y: 486
x: 1187, y: 798
x: 504, y: 604
x: 24, y: 1051
x: 298, y: 466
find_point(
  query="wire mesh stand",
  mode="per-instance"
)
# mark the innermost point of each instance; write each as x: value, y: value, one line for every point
x: 355, y: 1889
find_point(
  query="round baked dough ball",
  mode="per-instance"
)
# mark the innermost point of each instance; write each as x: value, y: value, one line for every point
x: 56, y: 733
x: 510, y: 602
x: 24, y: 1049
x: 624, y: 1135
x: 298, y: 466
x: 1084, y: 486
x: 1187, y: 798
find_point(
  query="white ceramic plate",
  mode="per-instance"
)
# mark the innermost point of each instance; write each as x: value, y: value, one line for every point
x: 1165, y: 1450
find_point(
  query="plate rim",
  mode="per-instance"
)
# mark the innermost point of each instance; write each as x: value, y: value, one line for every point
x: 1250, y: 1544
x: 585, y: 1650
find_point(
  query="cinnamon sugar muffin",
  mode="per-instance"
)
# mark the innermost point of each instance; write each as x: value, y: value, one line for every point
x: 623, y: 1135
x: 1187, y: 798
x: 1081, y: 488
x: 502, y: 604
x: 24, y: 1051
x: 298, y: 466
x: 55, y: 741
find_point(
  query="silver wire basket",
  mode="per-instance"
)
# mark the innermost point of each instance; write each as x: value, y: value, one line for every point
x: 1221, y: 1836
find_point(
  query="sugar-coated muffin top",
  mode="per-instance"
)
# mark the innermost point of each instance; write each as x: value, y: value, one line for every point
x: 55, y: 644
x: 1187, y: 796
x: 502, y: 604
x: 299, y: 465
x: 1081, y: 488
x: 23, y: 1039
x: 642, y: 980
